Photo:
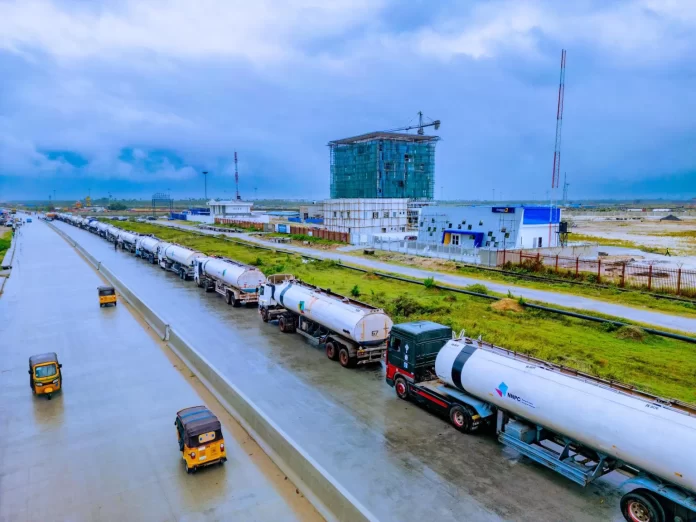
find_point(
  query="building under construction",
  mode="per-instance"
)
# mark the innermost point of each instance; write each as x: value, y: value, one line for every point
x: 383, y: 165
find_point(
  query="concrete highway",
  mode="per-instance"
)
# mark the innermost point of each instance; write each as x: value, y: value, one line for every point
x: 105, y: 448
x: 657, y: 319
x: 401, y: 462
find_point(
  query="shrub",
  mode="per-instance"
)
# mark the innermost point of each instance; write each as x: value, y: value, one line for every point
x: 355, y: 291
x: 429, y: 282
x: 257, y: 262
x: 478, y: 288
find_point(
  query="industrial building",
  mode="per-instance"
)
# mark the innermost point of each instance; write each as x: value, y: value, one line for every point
x: 233, y: 208
x: 490, y: 227
x: 363, y: 218
x: 383, y: 165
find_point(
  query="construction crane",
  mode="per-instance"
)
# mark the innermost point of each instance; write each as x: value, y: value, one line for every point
x: 555, y: 178
x: 236, y: 174
x: 420, y: 126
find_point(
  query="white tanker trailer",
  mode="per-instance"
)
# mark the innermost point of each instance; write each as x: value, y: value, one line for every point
x: 112, y: 233
x: 102, y: 228
x: 177, y: 259
x: 126, y: 240
x: 238, y: 283
x: 581, y: 426
x: 351, y: 331
x: 146, y: 248
x: 92, y: 227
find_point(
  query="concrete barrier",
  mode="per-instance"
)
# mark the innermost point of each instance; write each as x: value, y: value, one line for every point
x: 316, y: 484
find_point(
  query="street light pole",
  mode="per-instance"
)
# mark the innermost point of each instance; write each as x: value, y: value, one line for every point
x: 205, y: 181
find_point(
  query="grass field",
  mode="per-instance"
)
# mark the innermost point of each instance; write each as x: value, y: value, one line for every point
x: 5, y: 242
x: 662, y: 366
x: 607, y: 241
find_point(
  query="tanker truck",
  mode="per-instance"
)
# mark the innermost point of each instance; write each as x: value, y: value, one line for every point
x: 92, y: 227
x: 112, y: 233
x: 178, y: 259
x: 126, y: 240
x: 349, y: 331
x: 238, y: 283
x: 146, y: 248
x: 102, y: 228
x: 576, y: 424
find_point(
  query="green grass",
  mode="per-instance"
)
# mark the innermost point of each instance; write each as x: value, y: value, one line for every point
x: 609, y: 293
x: 304, y: 237
x: 5, y: 242
x: 606, y: 241
x: 663, y: 366
x: 689, y: 234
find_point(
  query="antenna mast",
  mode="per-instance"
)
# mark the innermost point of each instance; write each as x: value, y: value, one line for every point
x: 236, y: 174
x: 559, y: 125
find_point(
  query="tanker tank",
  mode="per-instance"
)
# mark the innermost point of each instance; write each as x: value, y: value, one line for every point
x: 232, y: 273
x: 181, y: 255
x: 652, y: 434
x: 148, y: 244
x: 366, y: 325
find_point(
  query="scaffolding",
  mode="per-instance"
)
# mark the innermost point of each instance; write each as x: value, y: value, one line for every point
x: 383, y: 165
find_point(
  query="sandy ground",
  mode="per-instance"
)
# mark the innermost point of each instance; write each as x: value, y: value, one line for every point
x: 646, y: 231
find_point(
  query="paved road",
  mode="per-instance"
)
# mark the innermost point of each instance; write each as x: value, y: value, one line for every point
x: 658, y: 319
x: 401, y: 462
x: 105, y: 449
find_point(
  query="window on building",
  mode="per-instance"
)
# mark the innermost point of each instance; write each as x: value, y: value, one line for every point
x: 488, y: 243
x: 421, y: 223
x: 469, y: 227
x: 496, y: 244
x: 335, y: 214
x: 539, y: 242
x: 455, y: 239
x: 393, y: 214
x: 384, y: 230
x: 480, y: 223
x: 490, y: 233
x: 431, y: 234
x: 386, y: 214
x: 348, y: 214
x: 403, y: 229
x: 459, y: 227
x: 375, y: 215
x: 432, y: 220
x: 463, y: 221
x: 449, y: 225
x: 507, y: 235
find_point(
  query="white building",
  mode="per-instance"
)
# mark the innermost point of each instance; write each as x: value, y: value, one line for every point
x: 231, y: 209
x: 363, y: 218
x: 490, y: 227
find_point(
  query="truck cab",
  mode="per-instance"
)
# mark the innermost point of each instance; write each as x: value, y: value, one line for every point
x: 411, y: 354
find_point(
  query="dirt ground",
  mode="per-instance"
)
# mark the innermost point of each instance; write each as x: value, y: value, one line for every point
x: 677, y: 237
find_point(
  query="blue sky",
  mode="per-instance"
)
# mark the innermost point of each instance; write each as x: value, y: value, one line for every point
x: 138, y: 96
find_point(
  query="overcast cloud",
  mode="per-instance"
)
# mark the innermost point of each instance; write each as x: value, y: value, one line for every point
x: 137, y: 96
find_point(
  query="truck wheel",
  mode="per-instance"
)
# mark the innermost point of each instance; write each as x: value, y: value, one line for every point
x: 228, y: 298
x: 331, y: 350
x: 237, y: 303
x: 460, y: 417
x: 640, y: 506
x: 401, y: 388
x: 264, y: 315
x: 345, y: 359
x: 282, y: 324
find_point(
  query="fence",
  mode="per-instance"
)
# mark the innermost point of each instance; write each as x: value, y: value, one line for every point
x: 321, y: 233
x: 419, y: 248
x: 651, y: 277
x: 238, y: 222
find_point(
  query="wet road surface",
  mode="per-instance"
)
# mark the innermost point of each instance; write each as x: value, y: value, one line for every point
x: 401, y: 462
x: 659, y: 319
x: 105, y: 448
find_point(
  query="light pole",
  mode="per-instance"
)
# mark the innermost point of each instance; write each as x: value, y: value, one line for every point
x: 205, y: 182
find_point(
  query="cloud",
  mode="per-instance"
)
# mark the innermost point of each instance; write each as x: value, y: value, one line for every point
x: 262, y: 31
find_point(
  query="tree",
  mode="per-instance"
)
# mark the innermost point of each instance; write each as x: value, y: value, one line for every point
x: 117, y: 206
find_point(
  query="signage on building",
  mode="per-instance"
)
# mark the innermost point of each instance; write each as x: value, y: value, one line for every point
x: 503, y: 210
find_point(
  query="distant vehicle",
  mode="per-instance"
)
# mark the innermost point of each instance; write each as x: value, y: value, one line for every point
x: 236, y: 282
x: 141, y: 220
x: 151, y: 218
x: 28, y: 220
x: 107, y: 296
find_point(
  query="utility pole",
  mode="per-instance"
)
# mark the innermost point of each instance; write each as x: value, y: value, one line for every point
x: 236, y: 174
x: 205, y: 183
x: 565, y: 187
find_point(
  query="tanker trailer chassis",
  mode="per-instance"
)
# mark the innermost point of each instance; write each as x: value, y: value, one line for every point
x: 233, y: 296
x: 148, y: 256
x: 411, y: 354
x: 184, y: 272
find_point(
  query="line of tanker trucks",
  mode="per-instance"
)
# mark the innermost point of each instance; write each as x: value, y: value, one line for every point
x: 578, y: 425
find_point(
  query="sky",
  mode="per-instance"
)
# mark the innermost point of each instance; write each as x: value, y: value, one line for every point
x: 132, y: 97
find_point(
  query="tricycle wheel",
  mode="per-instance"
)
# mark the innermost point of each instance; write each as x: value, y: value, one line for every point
x: 186, y: 467
x: 101, y: 305
x: 49, y: 396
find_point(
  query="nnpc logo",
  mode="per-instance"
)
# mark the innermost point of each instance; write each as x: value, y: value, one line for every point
x: 502, y: 389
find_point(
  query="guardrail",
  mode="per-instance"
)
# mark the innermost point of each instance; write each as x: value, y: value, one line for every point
x: 330, y: 499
